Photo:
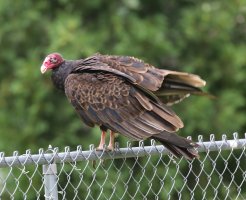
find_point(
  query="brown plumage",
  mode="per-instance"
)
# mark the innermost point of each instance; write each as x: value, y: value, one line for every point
x: 126, y: 95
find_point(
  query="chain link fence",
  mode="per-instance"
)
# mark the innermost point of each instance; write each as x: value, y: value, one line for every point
x: 143, y: 172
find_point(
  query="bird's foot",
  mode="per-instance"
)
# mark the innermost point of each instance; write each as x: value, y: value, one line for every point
x: 110, y: 148
x: 111, y: 141
x: 101, y: 148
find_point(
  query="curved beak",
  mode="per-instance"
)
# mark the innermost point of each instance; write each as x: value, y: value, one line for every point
x: 43, y: 69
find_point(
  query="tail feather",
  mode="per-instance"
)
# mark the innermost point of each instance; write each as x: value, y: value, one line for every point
x: 173, y: 91
x: 178, y: 145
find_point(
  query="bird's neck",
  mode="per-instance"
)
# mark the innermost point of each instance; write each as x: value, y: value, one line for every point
x: 60, y: 73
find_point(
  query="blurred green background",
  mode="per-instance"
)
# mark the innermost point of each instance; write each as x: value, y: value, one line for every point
x: 203, y: 37
x: 207, y: 38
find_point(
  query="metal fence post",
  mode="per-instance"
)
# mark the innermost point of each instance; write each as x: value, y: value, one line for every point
x: 50, y: 182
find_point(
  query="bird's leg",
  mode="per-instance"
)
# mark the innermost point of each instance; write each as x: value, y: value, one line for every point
x: 102, y: 141
x: 111, y: 141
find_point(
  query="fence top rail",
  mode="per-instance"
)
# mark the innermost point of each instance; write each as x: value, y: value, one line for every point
x: 52, y: 155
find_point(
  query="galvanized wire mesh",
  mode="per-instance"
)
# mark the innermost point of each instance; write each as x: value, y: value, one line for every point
x: 144, y: 172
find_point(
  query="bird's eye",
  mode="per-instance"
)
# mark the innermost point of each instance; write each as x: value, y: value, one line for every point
x: 53, y: 60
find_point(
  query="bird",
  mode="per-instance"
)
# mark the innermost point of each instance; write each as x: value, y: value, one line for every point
x: 125, y: 95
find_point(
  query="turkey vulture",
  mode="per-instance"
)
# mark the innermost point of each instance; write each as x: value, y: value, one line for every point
x: 125, y: 95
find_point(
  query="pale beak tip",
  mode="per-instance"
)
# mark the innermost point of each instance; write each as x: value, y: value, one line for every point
x: 43, y: 69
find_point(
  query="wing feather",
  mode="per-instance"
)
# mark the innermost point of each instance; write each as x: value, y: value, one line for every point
x: 123, y: 108
x: 137, y: 71
x: 111, y: 102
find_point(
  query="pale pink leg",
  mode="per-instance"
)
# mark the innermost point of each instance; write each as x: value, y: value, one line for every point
x: 111, y: 141
x: 102, y: 141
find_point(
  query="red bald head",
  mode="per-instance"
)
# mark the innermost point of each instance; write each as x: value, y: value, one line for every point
x: 51, y: 61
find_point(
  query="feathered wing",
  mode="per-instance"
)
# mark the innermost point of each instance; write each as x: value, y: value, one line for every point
x: 111, y: 102
x: 170, y: 86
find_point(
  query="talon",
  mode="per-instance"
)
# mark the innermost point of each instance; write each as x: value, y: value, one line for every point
x: 94, y: 162
x: 110, y: 148
x: 100, y: 148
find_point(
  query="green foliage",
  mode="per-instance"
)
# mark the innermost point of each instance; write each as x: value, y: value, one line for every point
x: 203, y: 37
